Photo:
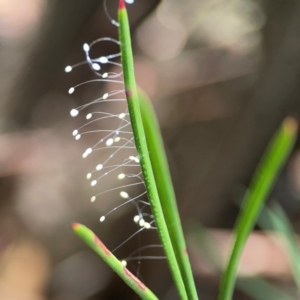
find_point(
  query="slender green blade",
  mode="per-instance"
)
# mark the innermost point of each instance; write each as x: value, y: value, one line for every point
x: 255, y: 287
x: 166, y: 191
x: 142, y: 149
x: 261, y: 185
x: 280, y: 222
x: 94, y: 242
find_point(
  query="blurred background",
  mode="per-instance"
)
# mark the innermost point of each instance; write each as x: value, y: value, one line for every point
x: 222, y: 75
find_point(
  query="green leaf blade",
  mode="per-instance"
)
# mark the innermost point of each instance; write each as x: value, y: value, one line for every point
x: 255, y: 287
x: 142, y: 149
x: 94, y: 242
x: 166, y: 191
x: 263, y: 180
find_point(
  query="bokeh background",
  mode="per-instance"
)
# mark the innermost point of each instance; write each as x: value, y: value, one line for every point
x: 222, y: 75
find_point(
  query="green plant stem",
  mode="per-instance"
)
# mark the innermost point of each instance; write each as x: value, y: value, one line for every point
x: 142, y: 149
x: 94, y: 242
x: 261, y: 185
x: 255, y: 287
x: 166, y: 191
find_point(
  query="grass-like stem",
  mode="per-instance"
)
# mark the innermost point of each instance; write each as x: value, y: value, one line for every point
x: 264, y: 179
x: 142, y: 148
x: 132, y: 281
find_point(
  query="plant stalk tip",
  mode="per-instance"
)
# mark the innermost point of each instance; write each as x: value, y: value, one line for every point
x: 290, y: 124
x: 122, y: 4
x: 75, y: 225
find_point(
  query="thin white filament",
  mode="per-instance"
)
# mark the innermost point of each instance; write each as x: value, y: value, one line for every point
x: 126, y: 202
x: 120, y: 187
x: 128, y: 239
